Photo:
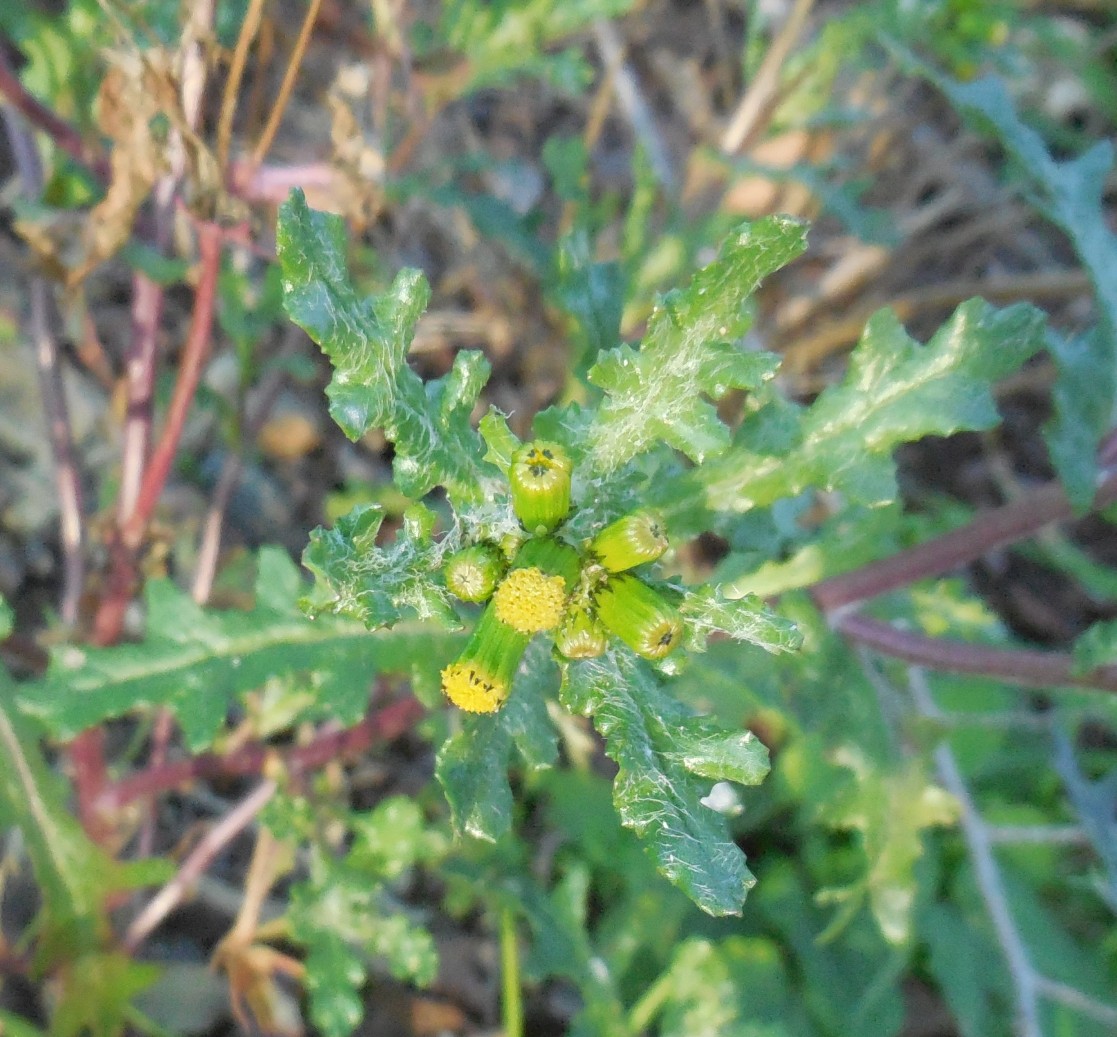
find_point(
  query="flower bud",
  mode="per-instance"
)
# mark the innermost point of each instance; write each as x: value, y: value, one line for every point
x: 580, y: 635
x: 630, y: 541
x: 638, y: 615
x: 472, y: 574
x: 532, y: 597
x: 540, y: 481
x: 481, y: 678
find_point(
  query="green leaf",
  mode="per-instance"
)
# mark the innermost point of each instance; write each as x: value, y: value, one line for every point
x: 500, y: 440
x: 661, y: 750
x: 17, y: 1026
x: 1071, y: 195
x: 889, y: 810
x: 592, y: 293
x: 378, y: 586
x: 743, y: 619
x: 977, y: 997
x: 689, y: 353
x: 849, y: 986
x: 473, y: 764
x: 1096, y: 647
x: 7, y: 619
x: 367, y: 340
x: 195, y: 662
x: 96, y: 992
x: 894, y: 392
x: 513, y: 36
x: 74, y: 876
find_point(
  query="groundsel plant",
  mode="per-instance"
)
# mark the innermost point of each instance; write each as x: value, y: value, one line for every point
x: 555, y: 555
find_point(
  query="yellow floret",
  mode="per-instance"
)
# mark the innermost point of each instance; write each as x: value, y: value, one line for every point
x: 530, y: 601
x: 473, y: 690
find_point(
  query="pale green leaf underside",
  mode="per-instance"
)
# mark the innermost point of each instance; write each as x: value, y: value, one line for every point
x: 367, y: 340
x: 195, y: 662
x: 662, y: 750
x: 659, y: 392
x: 895, y: 391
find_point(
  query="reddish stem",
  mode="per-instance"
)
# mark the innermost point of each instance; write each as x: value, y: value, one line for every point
x: 255, y: 757
x: 1021, y: 518
x: 1020, y: 666
x: 65, y: 136
x: 86, y: 754
x: 195, y: 354
x: 123, y: 549
x: 996, y: 528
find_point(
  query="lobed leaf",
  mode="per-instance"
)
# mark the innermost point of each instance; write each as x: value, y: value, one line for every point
x: 737, y: 987
x: 342, y: 912
x: 661, y: 750
x: 367, y: 340
x: 380, y: 586
x: 895, y: 391
x: 659, y: 392
x: 195, y: 661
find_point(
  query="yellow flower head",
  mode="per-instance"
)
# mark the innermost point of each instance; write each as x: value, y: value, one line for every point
x: 472, y: 689
x: 529, y: 600
x: 480, y: 679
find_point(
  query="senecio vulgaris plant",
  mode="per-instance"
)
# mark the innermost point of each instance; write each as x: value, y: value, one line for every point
x: 556, y: 541
x: 559, y: 542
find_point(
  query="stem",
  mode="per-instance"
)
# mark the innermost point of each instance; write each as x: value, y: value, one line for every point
x: 266, y: 138
x: 55, y: 409
x: 210, y: 544
x: 1033, y: 669
x: 248, y: 31
x: 123, y: 549
x: 255, y: 757
x: 195, y: 353
x: 512, y: 1008
x: 986, y: 873
x: 200, y: 858
x: 996, y: 528
x: 64, y: 136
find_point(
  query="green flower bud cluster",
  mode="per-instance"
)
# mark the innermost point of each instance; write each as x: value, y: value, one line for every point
x: 542, y: 584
